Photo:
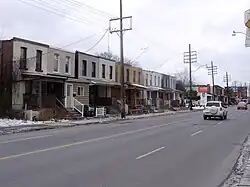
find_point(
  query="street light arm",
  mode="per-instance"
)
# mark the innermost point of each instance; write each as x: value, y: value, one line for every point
x: 235, y: 32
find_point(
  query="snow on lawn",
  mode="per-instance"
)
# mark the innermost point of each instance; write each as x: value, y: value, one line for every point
x: 15, y: 122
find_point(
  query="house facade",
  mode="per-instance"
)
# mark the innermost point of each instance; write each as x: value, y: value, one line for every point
x: 154, y: 93
x: 97, y: 77
x: 134, y: 88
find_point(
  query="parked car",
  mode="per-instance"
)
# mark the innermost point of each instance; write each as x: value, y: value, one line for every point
x: 242, y: 106
x: 215, y: 109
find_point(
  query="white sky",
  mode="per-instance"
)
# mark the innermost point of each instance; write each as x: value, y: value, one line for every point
x: 165, y: 27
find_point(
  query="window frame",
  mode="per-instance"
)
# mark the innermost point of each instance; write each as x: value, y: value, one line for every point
x: 110, y: 72
x: 39, y: 59
x: 84, y: 68
x: 79, y: 89
x: 134, y: 76
x: 93, y: 67
x: 56, y: 62
x: 103, y: 71
x: 67, y: 62
x: 23, y: 61
x: 127, y: 74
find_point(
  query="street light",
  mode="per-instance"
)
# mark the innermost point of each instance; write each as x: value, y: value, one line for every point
x: 235, y: 32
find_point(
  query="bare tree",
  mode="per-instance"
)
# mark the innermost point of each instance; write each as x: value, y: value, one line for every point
x: 183, y: 76
x: 112, y: 56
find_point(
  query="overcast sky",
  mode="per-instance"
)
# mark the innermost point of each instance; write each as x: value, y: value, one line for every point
x: 164, y: 27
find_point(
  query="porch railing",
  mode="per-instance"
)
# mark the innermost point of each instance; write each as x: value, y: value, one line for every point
x: 78, y: 106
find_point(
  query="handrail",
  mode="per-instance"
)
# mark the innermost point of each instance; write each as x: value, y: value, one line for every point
x: 60, y: 102
x: 78, y: 103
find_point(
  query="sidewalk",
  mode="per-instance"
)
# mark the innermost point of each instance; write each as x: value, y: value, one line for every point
x: 240, y: 176
x: 27, y: 126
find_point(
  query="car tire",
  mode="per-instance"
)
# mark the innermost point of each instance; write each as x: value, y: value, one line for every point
x: 225, y: 117
x: 205, y: 117
x: 222, y: 117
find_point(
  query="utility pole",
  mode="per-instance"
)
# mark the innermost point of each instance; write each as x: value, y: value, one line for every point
x: 121, y: 30
x: 212, y: 70
x: 190, y: 57
x: 226, y: 79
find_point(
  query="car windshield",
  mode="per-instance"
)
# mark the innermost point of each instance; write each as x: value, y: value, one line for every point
x: 213, y: 104
x: 241, y: 104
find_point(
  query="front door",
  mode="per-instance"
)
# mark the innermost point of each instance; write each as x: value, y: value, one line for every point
x: 69, y: 97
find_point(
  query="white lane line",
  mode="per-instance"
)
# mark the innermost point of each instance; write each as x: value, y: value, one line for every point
x: 24, y: 139
x: 218, y: 123
x: 198, y: 132
x: 81, y: 142
x: 131, y: 123
x: 149, y: 153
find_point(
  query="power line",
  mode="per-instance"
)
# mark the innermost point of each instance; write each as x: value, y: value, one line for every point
x: 58, y: 12
x: 97, y: 11
x: 97, y: 41
x: 72, y: 5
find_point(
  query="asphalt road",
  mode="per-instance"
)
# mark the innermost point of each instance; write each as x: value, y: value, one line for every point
x: 169, y: 151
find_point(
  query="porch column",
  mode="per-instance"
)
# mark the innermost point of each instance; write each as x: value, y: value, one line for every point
x: 40, y: 94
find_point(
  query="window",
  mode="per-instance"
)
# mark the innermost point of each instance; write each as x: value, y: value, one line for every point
x: 134, y: 75
x: 155, y: 81
x: 150, y: 80
x: 67, y: 63
x: 56, y: 62
x: 146, y: 79
x: 110, y: 72
x: 139, y: 77
x: 80, y: 91
x: 93, y: 69
x: 84, y: 68
x: 103, y: 71
x: 38, y: 60
x: 23, y: 58
x: 159, y: 82
x: 127, y: 78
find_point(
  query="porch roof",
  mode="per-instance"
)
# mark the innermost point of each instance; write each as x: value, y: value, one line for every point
x: 44, y: 77
x: 139, y: 86
x: 152, y: 88
x: 103, y: 82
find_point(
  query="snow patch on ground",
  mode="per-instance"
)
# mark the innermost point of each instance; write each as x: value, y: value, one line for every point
x: 15, y: 122
x: 238, y: 170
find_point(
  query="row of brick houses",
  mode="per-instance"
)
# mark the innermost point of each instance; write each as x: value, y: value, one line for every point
x: 35, y: 76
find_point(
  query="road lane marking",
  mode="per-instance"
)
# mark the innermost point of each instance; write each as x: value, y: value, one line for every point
x: 127, y: 124
x: 24, y: 139
x: 198, y: 132
x: 149, y: 153
x: 81, y: 142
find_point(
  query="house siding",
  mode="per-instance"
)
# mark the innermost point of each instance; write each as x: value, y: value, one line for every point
x: 131, y: 70
x: 107, y: 64
x: 85, y: 98
x: 62, y: 61
x: 89, y: 58
x: 31, y: 55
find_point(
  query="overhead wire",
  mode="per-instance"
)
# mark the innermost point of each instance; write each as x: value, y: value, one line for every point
x: 58, y: 12
x: 97, y: 41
